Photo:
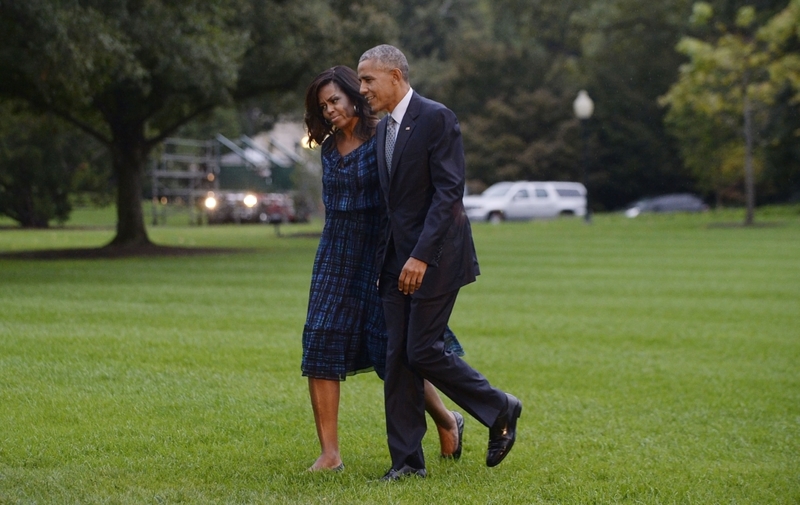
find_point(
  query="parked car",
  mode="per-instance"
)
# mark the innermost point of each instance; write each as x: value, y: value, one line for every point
x: 678, y: 202
x: 526, y: 200
x: 239, y: 207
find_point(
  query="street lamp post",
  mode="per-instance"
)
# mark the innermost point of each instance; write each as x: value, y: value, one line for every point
x: 584, y: 107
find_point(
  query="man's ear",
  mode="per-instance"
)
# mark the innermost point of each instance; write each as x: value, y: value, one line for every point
x: 397, y: 75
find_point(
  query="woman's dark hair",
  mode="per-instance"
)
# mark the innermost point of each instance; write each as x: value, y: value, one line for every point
x: 347, y: 80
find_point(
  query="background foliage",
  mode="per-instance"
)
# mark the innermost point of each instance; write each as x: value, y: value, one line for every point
x: 509, y: 68
x: 46, y: 166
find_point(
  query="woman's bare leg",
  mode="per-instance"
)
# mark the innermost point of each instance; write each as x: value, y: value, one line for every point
x: 325, y: 403
x: 444, y: 419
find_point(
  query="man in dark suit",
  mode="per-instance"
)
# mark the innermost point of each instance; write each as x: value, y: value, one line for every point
x: 427, y: 256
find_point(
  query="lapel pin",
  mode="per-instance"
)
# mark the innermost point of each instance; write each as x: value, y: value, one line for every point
x: 408, y: 128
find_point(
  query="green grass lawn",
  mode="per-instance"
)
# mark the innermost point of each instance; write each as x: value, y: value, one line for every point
x: 656, y: 359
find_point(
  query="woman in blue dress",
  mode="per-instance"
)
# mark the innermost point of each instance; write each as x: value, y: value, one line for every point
x: 345, y: 331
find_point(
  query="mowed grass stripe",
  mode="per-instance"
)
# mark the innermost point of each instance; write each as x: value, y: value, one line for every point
x: 656, y: 359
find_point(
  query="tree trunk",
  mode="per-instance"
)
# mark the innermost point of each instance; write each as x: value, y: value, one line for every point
x: 129, y: 155
x: 27, y: 212
x: 749, y: 179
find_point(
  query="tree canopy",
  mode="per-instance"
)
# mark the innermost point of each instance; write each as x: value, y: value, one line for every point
x: 41, y: 161
x: 130, y: 72
x: 723, y: 96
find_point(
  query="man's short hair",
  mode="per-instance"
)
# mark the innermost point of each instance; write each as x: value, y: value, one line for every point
x: 388, y: 57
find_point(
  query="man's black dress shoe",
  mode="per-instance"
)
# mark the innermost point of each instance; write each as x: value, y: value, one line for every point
x: 460, y: 424
x: 503, y: 432
x: 406, y: 471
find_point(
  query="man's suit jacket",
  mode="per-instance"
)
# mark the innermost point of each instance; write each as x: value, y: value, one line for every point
x: 424, y: 208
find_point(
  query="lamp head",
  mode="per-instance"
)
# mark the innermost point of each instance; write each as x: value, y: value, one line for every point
x: 583, y: 105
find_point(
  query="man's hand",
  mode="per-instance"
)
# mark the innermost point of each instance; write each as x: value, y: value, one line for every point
x: 411, y: 277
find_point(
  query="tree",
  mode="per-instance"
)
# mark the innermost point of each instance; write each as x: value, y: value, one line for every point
x: 506, y: 69
x: 131, y: 72
x: 627, y: 61
x: 782, y: 152
x: 724, y: 90
x: 36, y: 166
x: 525, y: 137
x: 782, y: 36
x: 510, y: 69
x: 46, y: 165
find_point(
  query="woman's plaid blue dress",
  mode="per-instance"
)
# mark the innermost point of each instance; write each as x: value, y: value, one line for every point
x: 345, y: 331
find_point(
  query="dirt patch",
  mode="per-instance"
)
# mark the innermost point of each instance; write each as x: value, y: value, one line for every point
x: 768, y: 224
x: 309, y: 234
x: 106, y: 252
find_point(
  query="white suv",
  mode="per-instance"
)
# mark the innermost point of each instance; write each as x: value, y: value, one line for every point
x: 526, y: 200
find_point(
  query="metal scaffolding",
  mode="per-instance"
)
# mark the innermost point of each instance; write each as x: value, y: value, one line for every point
x: 188, y: 170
